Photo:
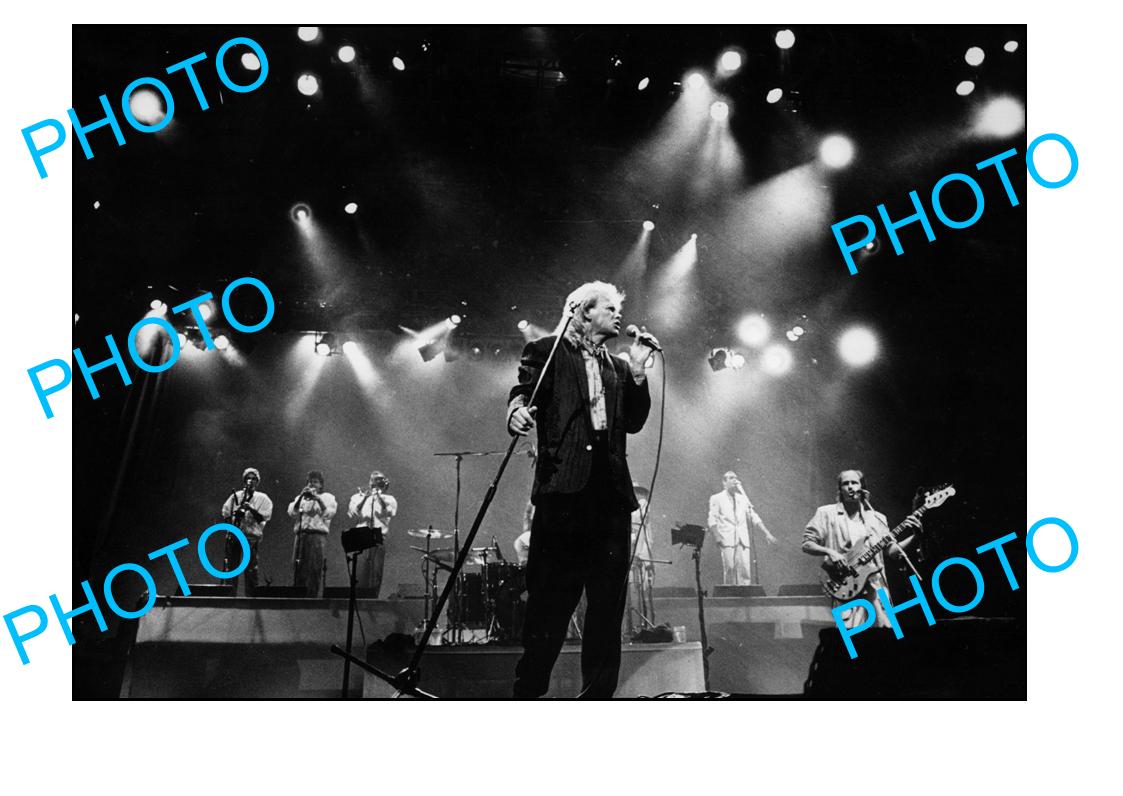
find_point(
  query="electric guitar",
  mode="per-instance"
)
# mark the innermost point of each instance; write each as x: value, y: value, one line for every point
x: 844, y: 580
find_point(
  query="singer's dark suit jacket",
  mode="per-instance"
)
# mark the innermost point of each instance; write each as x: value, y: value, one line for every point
x: 565, y: 426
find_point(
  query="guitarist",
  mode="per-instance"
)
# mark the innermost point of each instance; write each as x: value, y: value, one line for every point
x: 838, y: 527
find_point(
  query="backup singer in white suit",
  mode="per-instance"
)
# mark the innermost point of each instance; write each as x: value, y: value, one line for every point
x: 731, y: 515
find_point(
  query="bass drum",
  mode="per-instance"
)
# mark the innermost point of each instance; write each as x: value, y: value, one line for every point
x: 510, y: 603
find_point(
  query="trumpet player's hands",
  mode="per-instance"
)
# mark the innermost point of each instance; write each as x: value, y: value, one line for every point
x: 522, y: 420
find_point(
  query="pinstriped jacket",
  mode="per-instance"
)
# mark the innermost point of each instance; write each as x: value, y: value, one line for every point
x: 564, y: 422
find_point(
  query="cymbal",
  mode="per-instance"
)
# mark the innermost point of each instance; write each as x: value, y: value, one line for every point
x: 446, y: 555
x: 433, y: 551
x: 491, y: 548
x: 431, y: 533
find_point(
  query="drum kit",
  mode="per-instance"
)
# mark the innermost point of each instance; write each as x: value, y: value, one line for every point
x: 488, y: 604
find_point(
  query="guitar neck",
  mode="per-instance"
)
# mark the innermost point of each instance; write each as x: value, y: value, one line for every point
x: 889, y: 539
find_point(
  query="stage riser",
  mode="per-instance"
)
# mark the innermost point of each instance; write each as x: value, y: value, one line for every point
x: 278, y: 648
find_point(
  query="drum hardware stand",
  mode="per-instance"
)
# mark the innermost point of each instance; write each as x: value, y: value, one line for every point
x: 355, y: 541
x: 457, y: 598
x: 694, y: 536
x: 407, y: 679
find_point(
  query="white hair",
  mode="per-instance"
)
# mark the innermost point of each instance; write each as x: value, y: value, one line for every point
x: 585, y: 298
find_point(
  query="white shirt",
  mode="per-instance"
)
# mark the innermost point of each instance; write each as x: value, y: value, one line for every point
x: 260, y: 503
x: 309, y: 516
x: 373, y: 513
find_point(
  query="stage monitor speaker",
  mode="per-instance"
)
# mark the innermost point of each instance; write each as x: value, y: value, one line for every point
x: 344, y: 593
x: 968, y: 658
x: 673, y: 591
x: 280, y: 591
x: 800, y: 590
x: 410, y: 591
x: 208, y: 590
x: 739, y: 591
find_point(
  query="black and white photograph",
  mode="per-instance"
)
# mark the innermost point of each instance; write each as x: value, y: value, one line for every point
x: 495, y: 361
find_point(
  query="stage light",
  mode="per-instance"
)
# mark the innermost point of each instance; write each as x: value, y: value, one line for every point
x: 777, y: 360
x: 648, y: 226
x: 965, y: 87
x: 307, y: 84
x: 351, y: 348
x: 251, y: 62
x: 1001, y: 117
x: 308, y: 33
x: 97, y: 205
x: 695, y: 81
x: 147, y: 106
x: 350, y: 208
x: 785, y: 39
x: 736, y: 360
x: 731, y: 60
x: 76, y: 319
x: 206, y: 311
x: 774, y: 96
x: 429, y: 350
x: 477, y: 352
x: 346, y: 53
x: 791, y: 335
x: 398, y: 63
x: 717, y: 359
x: 694, y: 236
x: 454, y: 320
x: 799, y: 331
x: 857, y: 347
x: 523, y: 325
x: 643, y: 83
x: 719, y: 111
x: 974, y: 56
x: 221, y: 342
x: 753, y: 330
x: 159, y: 306
x: 836, y: 151
x: 1010, y: 46
x: 301, y: 214
x: 323, y: 349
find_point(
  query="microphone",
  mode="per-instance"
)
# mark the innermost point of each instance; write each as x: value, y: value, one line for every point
x: 498, y: 550
x: 633, y: 331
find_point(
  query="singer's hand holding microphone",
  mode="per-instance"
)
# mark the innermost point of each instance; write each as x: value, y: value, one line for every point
x: 641, y: 350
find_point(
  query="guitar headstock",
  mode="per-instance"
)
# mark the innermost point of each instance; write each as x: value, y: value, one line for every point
x: 938, y: 496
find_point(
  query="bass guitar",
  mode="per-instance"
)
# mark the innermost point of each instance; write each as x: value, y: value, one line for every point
x: 843, y: 580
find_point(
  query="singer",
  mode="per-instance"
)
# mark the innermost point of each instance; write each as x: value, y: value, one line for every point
x: 375, y: 507
x: 731, y: 515
x: 311, y: 511
x: 837, y: 527
x: 588, y: 403
x: 249, y: 510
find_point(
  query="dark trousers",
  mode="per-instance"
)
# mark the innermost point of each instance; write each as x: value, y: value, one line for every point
x: 578, y: 543
x: 308, y: 561
x: 371, y: 562
x: 234, y: 557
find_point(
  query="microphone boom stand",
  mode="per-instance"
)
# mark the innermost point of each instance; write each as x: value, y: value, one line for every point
x: 406, y: 680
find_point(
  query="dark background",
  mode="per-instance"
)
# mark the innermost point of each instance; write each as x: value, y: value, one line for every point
x: 502, y: 168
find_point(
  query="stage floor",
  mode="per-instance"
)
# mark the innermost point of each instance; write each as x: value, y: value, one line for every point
x: 238, y: 647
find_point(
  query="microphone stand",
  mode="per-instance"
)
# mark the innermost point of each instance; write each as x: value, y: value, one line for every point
x: 407, y: 679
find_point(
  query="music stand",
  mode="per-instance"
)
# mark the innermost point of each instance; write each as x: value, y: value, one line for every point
x: 694, y: 536
x: 355, y: 540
